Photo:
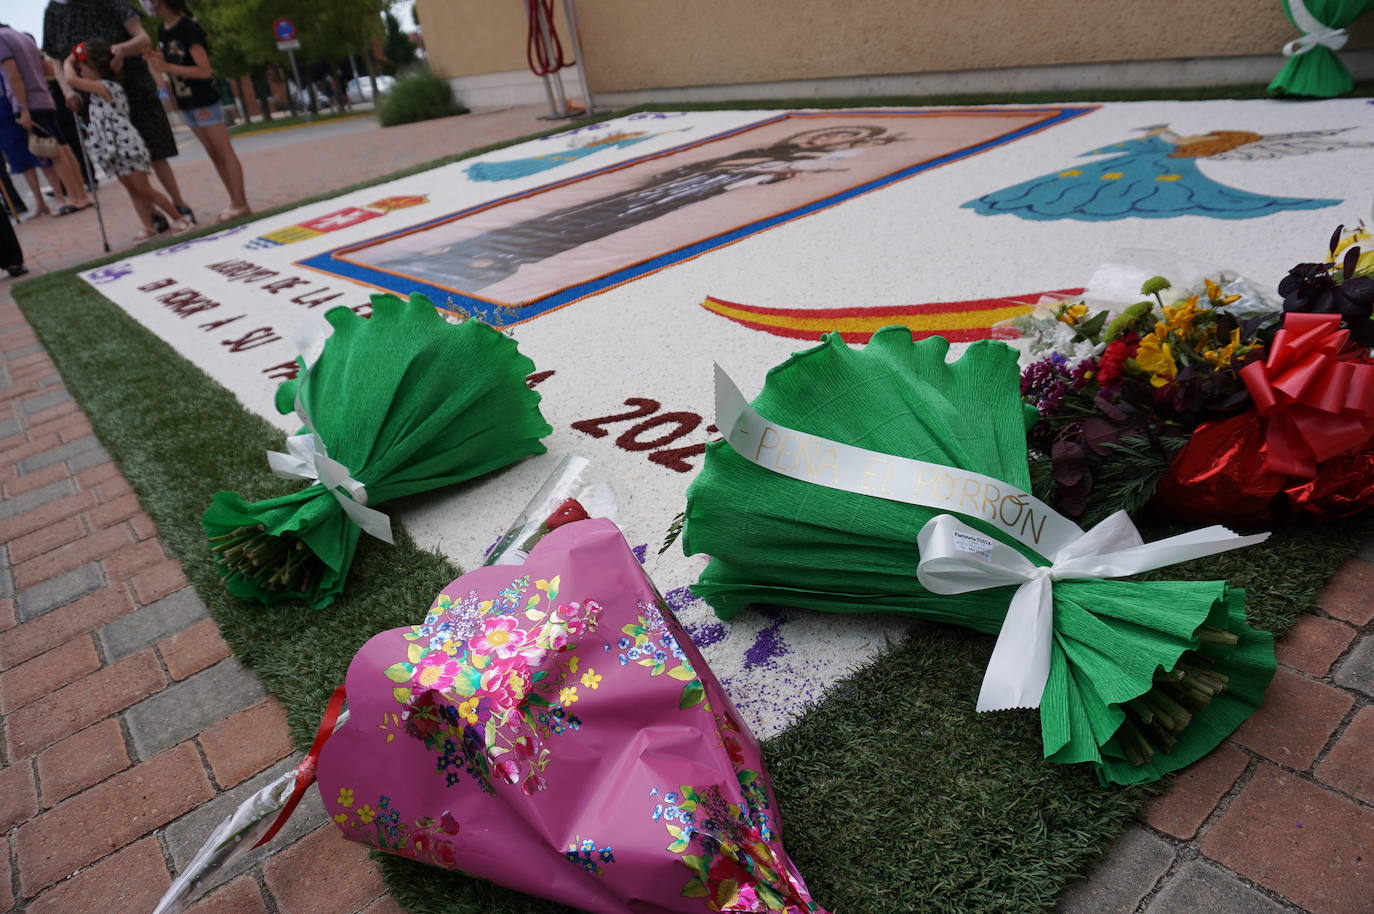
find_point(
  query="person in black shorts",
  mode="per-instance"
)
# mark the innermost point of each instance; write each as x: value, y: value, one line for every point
x: 66, y: 24
x: 183, y: 57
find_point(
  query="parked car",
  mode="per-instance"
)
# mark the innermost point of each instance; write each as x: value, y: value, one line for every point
x: 360, y: 90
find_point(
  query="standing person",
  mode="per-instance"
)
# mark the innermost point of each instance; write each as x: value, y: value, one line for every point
x: 67, y: 121
x: 116, y: 23
x: 21, y: 71
x: 115, y: 143
x: 14, y: 141
x: 11, y: 254
x: 183, y: 56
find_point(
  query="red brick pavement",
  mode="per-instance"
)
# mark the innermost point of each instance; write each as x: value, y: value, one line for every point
x: 274, y: 176
x: 97, y: 803
x: 99, y: 799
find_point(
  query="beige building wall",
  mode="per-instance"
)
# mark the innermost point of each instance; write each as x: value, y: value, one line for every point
x: 635, y: 45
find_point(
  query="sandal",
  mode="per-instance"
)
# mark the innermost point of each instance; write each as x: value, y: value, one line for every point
x: 18, y: 270
x: 235, y: 212
x: 182, y: 226
x: 186, y: 214
x: 144, y: 236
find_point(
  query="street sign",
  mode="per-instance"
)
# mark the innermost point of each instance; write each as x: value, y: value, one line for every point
x: 291, y: 45
x: 285, y: 30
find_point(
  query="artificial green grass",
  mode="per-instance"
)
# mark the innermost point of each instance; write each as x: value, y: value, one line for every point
x: 895, y: 794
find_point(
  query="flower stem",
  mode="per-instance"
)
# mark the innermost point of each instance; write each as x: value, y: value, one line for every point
x: 278, y: 564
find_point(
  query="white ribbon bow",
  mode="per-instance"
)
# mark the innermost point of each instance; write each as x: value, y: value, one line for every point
x: 308, y: 459
x: 956, y: 558
x: 1314, y: 32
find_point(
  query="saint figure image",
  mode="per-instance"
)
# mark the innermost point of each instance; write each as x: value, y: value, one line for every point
x: 1157, y: 176
x: 497, y: 254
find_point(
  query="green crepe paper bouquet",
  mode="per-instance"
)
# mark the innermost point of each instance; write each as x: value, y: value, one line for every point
x: 400, y: 403
x: 1145, y: 677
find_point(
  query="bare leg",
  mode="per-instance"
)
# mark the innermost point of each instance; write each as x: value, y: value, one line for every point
x: 40, y: 203
x: 163, y: 169
x: 221, y: 151
x: 70, y: 173
x: 139, y: 184
x: 55, y: 182
x: 141, y: 207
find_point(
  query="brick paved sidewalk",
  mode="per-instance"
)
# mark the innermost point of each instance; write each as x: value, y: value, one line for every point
x: 127, y: 730
x: 274, y: 176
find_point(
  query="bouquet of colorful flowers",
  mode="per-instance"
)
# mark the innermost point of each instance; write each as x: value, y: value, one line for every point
x: 1182, y: 404
x: 400, y: 403
x: 836, y: 491
x: 550, y: 727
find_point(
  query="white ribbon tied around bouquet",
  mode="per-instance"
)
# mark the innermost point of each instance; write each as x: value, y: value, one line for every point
x: 1314, y: 32
x: 956, y: 558
x: 308, y: 459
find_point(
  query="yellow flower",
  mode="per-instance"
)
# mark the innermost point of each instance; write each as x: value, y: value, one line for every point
x: 591, y: 679
x: 341, y: 818
x: 345, y: 797
x: 1214, y: 294
x: 1157, y: 358
x: 567, y: 695
x: 1180, y: 317
x: 468, y: 710
x: 1072, y: 314
x: 1222, y: 357
x: 366, y: 814
x: 1356, y: 236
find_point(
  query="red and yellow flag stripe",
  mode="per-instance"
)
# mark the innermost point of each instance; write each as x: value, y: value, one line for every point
x: 956, y: 321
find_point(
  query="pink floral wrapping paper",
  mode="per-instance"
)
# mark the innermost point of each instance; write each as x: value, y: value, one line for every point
x: 550, y: 727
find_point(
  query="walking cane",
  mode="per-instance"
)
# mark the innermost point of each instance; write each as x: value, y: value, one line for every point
x: 89, y: 176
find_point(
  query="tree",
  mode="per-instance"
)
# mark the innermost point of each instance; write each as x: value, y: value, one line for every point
x: 397, y: 47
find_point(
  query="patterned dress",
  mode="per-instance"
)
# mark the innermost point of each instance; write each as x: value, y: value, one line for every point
x: 1141, y: 179
x: 66, y: 24
x: 115, y: 144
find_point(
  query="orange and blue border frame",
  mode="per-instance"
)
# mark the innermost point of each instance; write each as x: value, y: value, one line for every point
x: 336, y: 262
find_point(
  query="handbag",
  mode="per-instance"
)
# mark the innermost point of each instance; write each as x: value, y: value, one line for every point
x: 41, y: 144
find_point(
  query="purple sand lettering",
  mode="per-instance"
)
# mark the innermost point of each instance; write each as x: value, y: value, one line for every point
x: 768, y: 643
x: 706, y: 634
x: 639, y: 552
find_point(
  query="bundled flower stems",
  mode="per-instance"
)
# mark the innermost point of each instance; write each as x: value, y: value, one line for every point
x: 1137, y: 678
x: 400, y: 403
x: 548, y: 726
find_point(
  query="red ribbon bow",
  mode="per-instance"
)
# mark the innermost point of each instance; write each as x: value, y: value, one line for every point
x: 1316, y: 392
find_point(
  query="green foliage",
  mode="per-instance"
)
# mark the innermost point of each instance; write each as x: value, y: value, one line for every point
x: 396, y: 47
x: 417, y: 96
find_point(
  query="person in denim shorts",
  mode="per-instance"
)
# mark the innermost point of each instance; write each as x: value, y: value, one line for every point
x: 183, y: 57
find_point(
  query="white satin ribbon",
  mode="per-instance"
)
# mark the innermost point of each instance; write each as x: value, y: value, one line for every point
x: 1314, y: 32
x: 955, y: 557
x: 307, y: 458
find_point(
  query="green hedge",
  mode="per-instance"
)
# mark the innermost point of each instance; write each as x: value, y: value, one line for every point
x: 418, y: 95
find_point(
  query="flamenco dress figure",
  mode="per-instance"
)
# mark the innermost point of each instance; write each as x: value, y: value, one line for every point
x: 494, y: 255
x: 1156, y: 176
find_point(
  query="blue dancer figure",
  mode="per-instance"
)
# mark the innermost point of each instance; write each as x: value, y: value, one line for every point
x: 1156, y: 176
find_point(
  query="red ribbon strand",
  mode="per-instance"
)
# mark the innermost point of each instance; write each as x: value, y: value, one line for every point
x: 305, y: 771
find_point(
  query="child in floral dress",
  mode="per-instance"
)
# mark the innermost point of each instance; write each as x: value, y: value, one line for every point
x: 116, y: 145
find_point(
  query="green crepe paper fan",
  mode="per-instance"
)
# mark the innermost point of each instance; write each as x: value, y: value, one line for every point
x: 407, y: 402
x: 777, y: 540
